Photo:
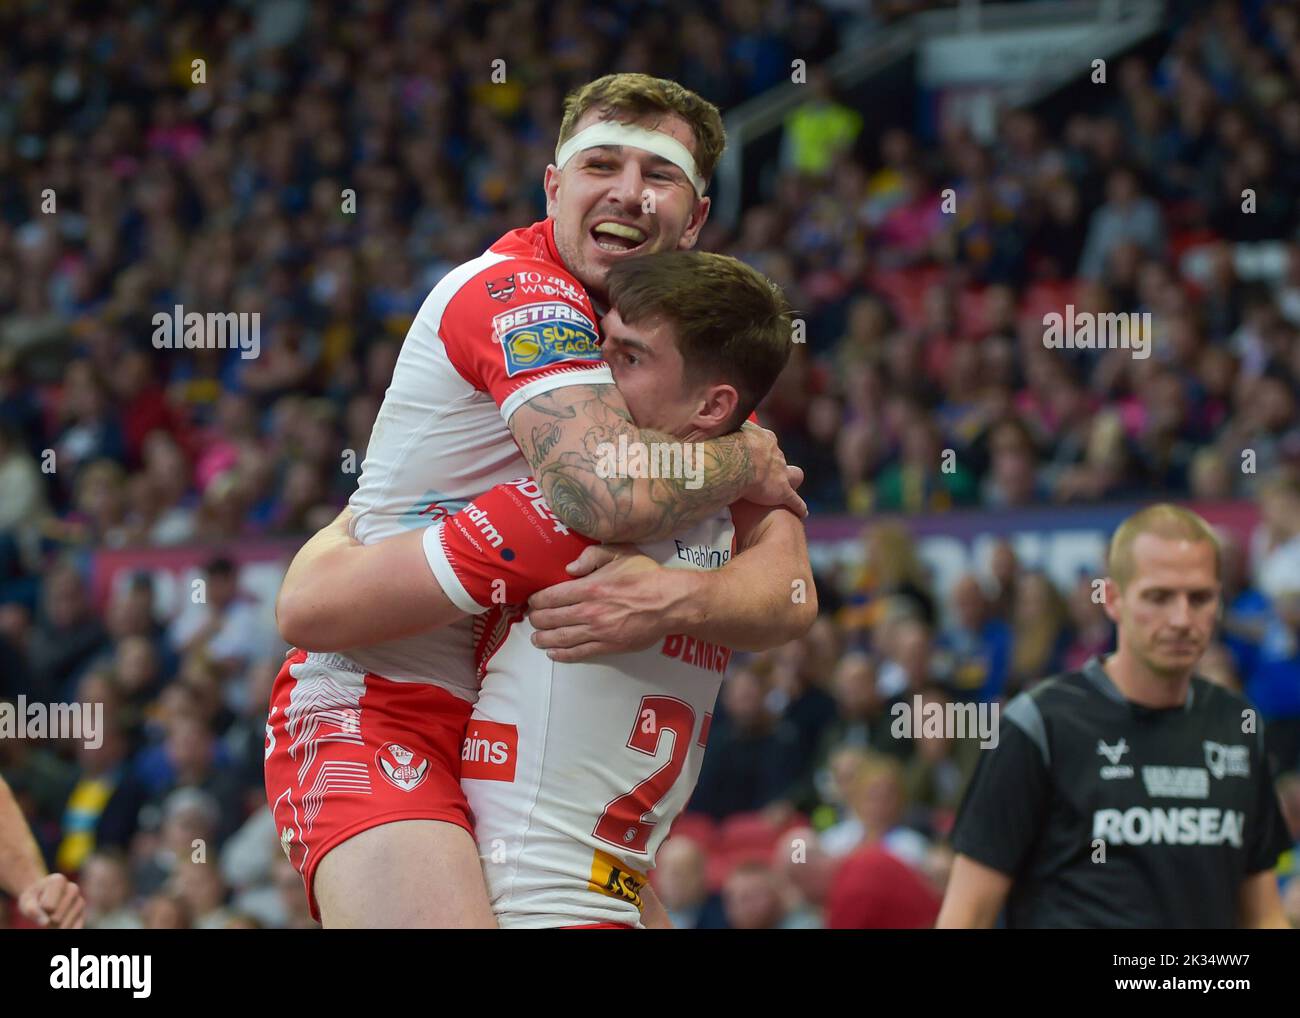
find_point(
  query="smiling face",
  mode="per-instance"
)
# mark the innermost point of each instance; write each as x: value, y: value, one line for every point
x: 599, y: 200
x: 651, y: 376
x: 1167, y: 608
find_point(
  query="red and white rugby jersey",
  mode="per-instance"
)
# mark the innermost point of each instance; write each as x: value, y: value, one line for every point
x: 574, y: 772
x: 495, y: 332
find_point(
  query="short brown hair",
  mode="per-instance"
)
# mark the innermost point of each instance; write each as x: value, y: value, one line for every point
x: 1162, y: 520
x: 627, y: 97
x: 731, y: 322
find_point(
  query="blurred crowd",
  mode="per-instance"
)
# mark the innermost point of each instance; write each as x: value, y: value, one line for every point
x: 925, y: 272
x: 922, y: 270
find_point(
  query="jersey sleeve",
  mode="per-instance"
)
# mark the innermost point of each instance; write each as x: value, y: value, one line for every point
x: 501, y: 548
x: 523, y: 328
x: 1005, y: 805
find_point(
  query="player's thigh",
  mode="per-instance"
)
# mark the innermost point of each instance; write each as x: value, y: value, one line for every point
x: 405, y: 874
x: 360, y: 761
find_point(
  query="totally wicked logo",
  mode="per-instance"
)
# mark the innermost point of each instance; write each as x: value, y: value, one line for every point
x: 501, y: 289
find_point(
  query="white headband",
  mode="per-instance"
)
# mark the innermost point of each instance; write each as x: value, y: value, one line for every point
x: 611, y: 132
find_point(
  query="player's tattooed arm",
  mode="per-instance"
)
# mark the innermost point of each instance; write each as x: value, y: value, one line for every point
x: 571, y: 438
x: 339, y: 593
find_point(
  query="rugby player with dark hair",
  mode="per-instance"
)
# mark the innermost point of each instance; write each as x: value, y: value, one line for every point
x: 573, y: 771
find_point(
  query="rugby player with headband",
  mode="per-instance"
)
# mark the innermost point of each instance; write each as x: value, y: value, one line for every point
x: 501, y: 376
x: 613, y: 134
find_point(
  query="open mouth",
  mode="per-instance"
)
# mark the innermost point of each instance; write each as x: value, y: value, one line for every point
x: 617, y: 238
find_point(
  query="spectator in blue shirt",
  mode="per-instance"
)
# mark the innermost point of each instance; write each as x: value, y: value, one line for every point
x: 978, y: 644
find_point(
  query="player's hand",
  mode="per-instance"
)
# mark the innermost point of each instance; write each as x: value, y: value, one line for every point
x: 776, y: 480
x: 54, y: 901
x: 621, y: 602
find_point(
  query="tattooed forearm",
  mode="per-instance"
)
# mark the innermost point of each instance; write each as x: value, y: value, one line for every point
x: 565, y: 404
x: 562, y: 435
x: 544, y: 439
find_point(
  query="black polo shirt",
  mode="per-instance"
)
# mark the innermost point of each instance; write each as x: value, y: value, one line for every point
x: 1109, y: 814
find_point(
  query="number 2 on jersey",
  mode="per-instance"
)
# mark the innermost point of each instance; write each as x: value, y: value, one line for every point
x: 624, y: 824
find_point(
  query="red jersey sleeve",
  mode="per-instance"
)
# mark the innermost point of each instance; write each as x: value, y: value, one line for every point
x: 522, y: 328
x: 501, y: 548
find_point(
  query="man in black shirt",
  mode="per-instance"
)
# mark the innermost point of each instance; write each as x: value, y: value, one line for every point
x: 1129, y: 793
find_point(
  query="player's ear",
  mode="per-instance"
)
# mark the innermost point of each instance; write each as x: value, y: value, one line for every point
x: 551, y: 185
x: 1110, y: 600
x: 699, y: 216
x: 717, y: 407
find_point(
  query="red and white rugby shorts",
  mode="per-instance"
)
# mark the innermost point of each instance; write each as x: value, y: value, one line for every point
x: 348, y: 750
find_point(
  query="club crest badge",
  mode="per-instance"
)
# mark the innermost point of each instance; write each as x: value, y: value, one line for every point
x: 1227, y: 761
x: 501, y: 289
x: 398, y: 765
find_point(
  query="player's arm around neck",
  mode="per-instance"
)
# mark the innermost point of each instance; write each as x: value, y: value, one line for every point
x: 764, y: 596
x: 339, y: 593
x: 569, y: 437
x: 975, y: 896
x: 1259, y: 906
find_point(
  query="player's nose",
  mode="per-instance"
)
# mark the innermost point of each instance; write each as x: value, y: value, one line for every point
x: 1181, y: 615
x: 627, y: 186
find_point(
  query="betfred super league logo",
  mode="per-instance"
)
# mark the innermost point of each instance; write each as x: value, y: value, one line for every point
x: 398, y: 764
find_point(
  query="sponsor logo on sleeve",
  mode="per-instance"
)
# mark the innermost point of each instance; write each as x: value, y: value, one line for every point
x: 532, y: 491
x: 538, y: 335
x: 489, y: 751
x: 479, y: 517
